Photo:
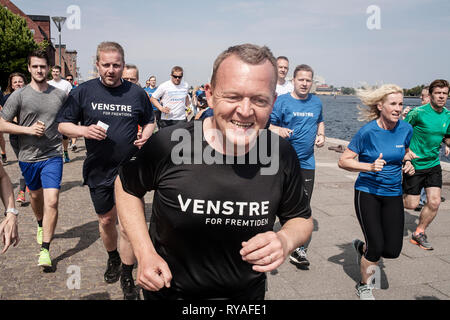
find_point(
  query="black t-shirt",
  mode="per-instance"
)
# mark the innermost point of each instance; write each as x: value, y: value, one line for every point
x: 203, y: 212
x: 122, y: 108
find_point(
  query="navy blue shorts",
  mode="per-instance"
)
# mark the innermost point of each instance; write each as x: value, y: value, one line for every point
x: 102, y: 198
x: 45, y: 174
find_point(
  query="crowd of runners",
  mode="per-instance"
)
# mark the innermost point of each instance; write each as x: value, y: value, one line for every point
x: 215, y: 200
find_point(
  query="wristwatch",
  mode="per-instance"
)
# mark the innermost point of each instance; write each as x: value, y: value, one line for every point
x: 14, y: 211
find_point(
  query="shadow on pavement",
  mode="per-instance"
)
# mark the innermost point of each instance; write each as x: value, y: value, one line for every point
x: 88, y: 234
x: 97, y: 296
x: 411, y: 221
x: 347, y: 259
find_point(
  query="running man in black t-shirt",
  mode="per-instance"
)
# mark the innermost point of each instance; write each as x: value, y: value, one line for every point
x: 109, y: 110
x: 216, y: 195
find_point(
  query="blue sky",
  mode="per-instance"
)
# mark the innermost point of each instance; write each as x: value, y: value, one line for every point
x: 411, y: 47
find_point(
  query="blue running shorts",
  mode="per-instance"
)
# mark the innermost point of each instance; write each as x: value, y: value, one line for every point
x: 45, y: 174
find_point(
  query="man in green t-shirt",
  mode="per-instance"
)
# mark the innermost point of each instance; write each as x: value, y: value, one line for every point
x: 431, y: 124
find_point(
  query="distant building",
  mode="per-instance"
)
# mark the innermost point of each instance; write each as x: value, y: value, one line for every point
x: 40, y: 27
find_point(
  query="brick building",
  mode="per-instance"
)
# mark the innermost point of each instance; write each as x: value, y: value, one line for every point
x: 40, y: 27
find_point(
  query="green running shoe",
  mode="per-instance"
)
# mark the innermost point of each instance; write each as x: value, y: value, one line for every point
x: 39, y: 235
x: 44, y: 259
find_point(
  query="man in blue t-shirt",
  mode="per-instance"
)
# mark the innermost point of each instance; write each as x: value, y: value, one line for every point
x: 150, y: 89
x: 297, y: 116
x: 109, y: 110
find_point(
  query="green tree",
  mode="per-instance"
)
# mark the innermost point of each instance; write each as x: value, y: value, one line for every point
x: 16, y: 43
x: 348, y: 91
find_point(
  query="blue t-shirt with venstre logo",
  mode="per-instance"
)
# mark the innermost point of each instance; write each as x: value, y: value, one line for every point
x: 301, y: 116
x: 368, y: 143
x: 122, y: 108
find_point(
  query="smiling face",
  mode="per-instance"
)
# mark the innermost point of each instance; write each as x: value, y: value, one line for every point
x: 17, y: 83
x: 56, y: 74
x: 242, y: 100
x: 391, y: 108
x: 38, y: 69
x: 110, y: 68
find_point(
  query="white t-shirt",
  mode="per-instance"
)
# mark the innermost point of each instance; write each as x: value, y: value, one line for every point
x: 62, y: 84
x: 173, y: 97
x: 284, y: 88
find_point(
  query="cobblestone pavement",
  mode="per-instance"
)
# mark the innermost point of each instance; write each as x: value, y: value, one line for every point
x: 77, y: 246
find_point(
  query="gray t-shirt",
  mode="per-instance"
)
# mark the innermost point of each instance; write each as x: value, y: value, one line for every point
x: 29, y: 105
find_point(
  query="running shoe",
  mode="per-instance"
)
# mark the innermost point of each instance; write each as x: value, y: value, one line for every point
x: 128, y: 288
x: 364, y: 292
x: 298, y: 257
x: 74, y: 147
x: 112, y: 273
x: 419, y: 207
x: 4, y: 159
x: 20, y: 197
x: 44, y: 259
x: 39, y: 235
x: 356, y: 243
x: 421, y: 240
x: 66, y: 157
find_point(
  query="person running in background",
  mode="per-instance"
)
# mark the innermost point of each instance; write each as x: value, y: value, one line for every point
x: 111, y: 137
x: 16, y: 81
x: 40, y: 158
x: 424, y: 99
x: 73, y: 141
x: 65, y: 86
x: 378, y: 151
x: 283, y: 86
x: 297, y: 117
x: 431, y: 124
x: 150, y: 89
x: 172, y: 99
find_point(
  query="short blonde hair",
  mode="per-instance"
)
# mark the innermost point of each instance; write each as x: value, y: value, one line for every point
x: 107, y: 46
x: 371, y: 98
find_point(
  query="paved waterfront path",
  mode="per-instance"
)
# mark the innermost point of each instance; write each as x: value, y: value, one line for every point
x: 416, y: 274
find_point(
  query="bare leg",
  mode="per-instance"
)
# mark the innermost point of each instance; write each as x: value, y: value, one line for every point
x: 107, y: 228
x: 37, y: 203
x: 430, y: 209
x: 51, y: 199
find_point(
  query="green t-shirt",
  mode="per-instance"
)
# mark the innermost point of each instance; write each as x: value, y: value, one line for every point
x: 429, y: 128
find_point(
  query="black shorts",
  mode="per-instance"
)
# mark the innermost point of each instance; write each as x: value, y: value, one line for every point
x: 65, y: 137
x: 103, y: 199
x: 424, y: 178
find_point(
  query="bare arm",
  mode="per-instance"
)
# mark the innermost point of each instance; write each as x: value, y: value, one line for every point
x: 158, y: 105
x: 36, y: 129
x: 153, y: 272
x: 9, y: 232
x: 267, y: 251
x: 147, y: 131
x: 282, y: 132
x: 320, y: 136
x: 348, y: 162
x: 74, y: 131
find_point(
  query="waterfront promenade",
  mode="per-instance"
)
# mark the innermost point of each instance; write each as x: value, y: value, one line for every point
x: 416, y: 274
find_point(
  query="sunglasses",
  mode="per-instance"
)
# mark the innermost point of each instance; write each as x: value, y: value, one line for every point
x: 69, y: 79
x: 177, y: 77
